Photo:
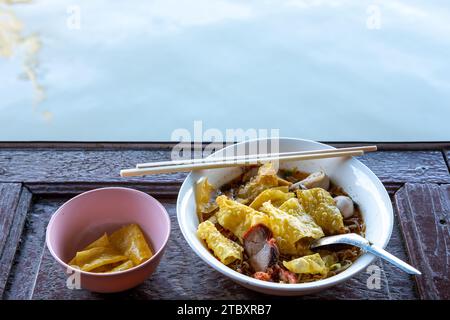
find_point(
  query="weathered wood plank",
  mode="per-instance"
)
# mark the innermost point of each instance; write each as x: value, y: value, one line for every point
x: 167, y: 189
x: 61, y: 166
x: 181, y: 274
x: 408, y: 166
x: 382, y: 146
x: 447, y: 157
x: 424, y: 211
x: 22, y: 280
x: 87, y: 166
x: 14, y: 203
x: 9, y: 197
x: 36, y: 275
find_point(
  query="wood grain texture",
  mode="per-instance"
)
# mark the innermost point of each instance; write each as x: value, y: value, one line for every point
x: 424, y: 211
x: 54, y: 173
x: 181, y: 274
x: 139, y: 145
x: 56, y: 166
x: 408, y: 166
x: 169, y: 189
x: 14, y: 203
x: 27, y: 262
x: 88, y: 166
x: 447, y: 157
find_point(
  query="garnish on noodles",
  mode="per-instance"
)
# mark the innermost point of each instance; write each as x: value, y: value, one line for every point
x: 262, y: 224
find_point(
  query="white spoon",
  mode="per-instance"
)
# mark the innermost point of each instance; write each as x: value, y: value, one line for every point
x: 358, y: 241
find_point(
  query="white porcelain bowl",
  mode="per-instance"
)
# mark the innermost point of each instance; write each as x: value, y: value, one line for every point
x: 355, y: 178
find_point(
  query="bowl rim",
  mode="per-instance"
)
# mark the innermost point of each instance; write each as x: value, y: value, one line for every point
x: 153, y: 257
x: 283, y: 287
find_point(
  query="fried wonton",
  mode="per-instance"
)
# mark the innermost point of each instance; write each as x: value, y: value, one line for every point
x: 237, y: 217
x: 226, y: 250
x: 265, y: 179
x: 123, y: 250
x: 288, y: 229
x: 311, y: 264
x: 285, y: 189
x: 131, y: 241
x: 103, y: 241
x: 203, y: 197
x: 293, y: 207
x: 319, y: 204
x: 123, y: 266
x: 276, y: 197
x: 97, y: 257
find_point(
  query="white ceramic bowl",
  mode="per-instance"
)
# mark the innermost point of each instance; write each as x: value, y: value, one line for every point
x: 355, y: 178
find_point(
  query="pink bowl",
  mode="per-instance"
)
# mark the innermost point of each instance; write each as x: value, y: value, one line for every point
x: 87, y: 216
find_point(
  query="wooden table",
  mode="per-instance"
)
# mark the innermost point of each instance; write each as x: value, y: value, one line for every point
x: 36, y: 178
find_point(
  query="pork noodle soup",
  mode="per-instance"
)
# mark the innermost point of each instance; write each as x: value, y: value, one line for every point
x: 263, y: 223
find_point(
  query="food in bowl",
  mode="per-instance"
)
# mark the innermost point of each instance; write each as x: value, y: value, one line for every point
x: 123, y: 249
x: 262, y: 224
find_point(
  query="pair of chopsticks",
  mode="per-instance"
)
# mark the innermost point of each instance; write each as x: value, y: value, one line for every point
x: 213, y: 163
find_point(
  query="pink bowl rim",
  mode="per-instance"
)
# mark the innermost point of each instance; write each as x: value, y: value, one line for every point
x: 157, y: 253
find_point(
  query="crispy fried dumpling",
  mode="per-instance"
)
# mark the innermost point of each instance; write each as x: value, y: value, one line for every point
x: 288, y: 229
x: 124, y: 249
x: 97, y: 257
x: 311, y: 228
x: 226, y: 250
x: 265, y: 179
x: 319, y: 204
x: 276, y: 197
x: 237, y: 217
x: 203, y: 197
x: 123, y: 266
x: 131, y: 241
x: 311, y: 264
x: 103, y: 241
x: 285, y: 189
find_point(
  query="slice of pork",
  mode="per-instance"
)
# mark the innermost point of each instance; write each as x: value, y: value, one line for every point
x: 261, y: 248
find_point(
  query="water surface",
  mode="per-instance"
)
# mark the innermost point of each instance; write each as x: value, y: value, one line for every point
x: 137, y: 70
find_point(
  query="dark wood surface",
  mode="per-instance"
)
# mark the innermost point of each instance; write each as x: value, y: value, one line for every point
x: 35, y: 179
x: 425, y: 217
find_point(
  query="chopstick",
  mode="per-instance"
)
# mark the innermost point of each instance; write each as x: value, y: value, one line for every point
x: 252, y: 156
x: 239, y: 162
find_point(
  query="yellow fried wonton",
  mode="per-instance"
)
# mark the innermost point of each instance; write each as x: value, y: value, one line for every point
x: 311, y: 264
x: 225, y: 249
x: 237, y: 217
x: 319, y: 204
x: 265, y: 179
x: 275, y: 196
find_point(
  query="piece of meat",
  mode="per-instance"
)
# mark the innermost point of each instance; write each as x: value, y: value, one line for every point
x: 261, y: 248
x: 262, y: 276
x: 255, y: 238
x: 287, y: 276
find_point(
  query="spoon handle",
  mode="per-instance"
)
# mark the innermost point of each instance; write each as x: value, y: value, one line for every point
x: 392, y: 259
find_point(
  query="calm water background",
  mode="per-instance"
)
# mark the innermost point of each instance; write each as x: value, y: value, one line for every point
x: 137, y: 70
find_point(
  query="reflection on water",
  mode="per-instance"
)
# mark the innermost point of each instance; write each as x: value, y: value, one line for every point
x: 15, y: 42
x: 137, y: 70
